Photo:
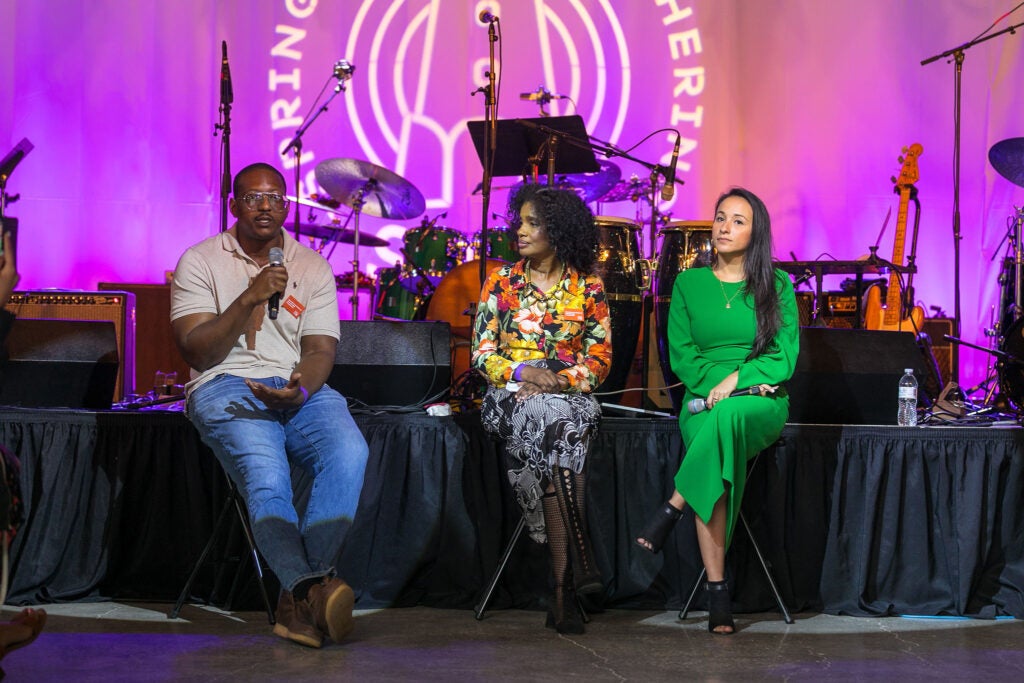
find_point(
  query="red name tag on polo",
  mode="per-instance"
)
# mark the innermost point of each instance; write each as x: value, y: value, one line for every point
x: 292, y: 305
x: 574, y: 314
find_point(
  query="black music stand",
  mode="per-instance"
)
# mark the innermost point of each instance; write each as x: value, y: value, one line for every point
x: 521, y: 141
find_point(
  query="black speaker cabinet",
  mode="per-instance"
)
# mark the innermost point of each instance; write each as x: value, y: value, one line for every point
x: 851, y: 376
x: 60, y: 364
x: 393, y: 363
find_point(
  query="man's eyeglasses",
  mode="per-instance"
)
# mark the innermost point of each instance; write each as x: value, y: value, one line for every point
x: 255, y: 199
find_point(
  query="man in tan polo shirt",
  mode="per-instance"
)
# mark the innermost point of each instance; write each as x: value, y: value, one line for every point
x: 258, y: 399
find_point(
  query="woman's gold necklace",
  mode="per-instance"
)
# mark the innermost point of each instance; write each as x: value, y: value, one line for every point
x: 553, y: 292
x: 728, y: 299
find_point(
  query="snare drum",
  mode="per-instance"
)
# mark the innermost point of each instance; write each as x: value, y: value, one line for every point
x: 397, y: 296
x: 621, y: 269
x: 684, y: 244
x: 433, y: 250
x: 502, y: 244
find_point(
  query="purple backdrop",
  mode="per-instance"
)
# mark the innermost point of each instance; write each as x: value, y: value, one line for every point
x: 807, y: 103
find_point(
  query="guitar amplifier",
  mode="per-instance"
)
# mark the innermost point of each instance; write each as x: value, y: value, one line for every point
x: 838, y: 310
x: 115, y: 307
x: 942, y: 348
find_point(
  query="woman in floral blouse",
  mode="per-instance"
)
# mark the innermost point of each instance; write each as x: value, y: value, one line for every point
x: 542, y: 336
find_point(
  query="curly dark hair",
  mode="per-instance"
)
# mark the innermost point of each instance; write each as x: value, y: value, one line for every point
x: 759, y: 270
x: 568, y: 221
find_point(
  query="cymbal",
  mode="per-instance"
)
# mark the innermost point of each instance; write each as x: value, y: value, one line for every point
x: 335, y: 233
x: 590, y: 186
x: 383, y: 194
x: 1007, y: 157
x: 633, y: 190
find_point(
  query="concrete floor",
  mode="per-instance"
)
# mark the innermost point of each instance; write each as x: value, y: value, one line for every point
x: 114, y: 641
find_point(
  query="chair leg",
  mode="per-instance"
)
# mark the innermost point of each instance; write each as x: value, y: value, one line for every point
x: 187, y: 588
x: 693, y: 593
x: 767, y: 571
x: 243, y: 515
x: 234, y: 498
x: 482, y: 605
x: 764, y: 566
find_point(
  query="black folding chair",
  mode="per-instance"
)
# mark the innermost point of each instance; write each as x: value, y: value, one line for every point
x: 234, y: 499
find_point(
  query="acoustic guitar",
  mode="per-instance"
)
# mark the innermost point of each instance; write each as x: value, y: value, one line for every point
x: 890, y: 315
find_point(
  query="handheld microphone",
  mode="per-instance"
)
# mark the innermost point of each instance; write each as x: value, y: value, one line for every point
x: 227, y: 96
x: 669, y: 190
x: 699, y: 405
x: 485, y: 17
x: 274, y: 303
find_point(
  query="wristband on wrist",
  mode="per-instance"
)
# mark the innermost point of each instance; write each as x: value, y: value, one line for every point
x: 305, y: 394
x: 517, y: 373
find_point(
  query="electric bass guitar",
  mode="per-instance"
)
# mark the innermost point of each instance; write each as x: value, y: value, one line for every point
x: 889, y: 315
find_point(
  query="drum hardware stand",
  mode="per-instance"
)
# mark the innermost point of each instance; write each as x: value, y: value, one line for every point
x: 1003, y: 359
x: 357, y: 209
x: 957, y: 53
x: 342, y: 72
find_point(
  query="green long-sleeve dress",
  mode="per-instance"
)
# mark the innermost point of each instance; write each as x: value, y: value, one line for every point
x: 709, y: 339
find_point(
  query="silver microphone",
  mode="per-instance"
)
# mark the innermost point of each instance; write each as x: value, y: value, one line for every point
x: 540, y: 95
x: 343, y: 70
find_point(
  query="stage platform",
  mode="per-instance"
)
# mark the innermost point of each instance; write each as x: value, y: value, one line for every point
x: 856, y: 520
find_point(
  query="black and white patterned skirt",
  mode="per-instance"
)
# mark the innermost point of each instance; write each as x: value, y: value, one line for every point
x: 543, y: 432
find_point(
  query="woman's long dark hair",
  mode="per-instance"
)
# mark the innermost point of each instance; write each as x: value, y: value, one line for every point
x: 759, y: 271
x: 568, y: 221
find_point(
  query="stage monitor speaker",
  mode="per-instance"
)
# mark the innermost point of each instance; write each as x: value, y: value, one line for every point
x: 60, y: 364
x: 393, y: 363
x: 115, y: 307
x: 851, y: 376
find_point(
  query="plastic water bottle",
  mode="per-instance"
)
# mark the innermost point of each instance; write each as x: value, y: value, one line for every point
x: 907, y: 415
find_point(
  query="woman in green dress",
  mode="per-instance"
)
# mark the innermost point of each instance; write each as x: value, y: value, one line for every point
x: 732, y: 330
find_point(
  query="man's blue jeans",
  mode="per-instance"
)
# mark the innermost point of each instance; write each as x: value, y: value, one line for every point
x: 257, y: 447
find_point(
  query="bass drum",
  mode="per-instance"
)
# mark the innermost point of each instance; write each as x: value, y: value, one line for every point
x: 684, y: 244
x: 454, y: 302
x: 1011, y: 366
x: 622, y: 270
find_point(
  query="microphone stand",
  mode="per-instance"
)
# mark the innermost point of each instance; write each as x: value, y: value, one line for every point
x: 224, y: 125
x: 227, y: 96
x: 490, y: 143
x: 958, y: 59
x: 343, y: 72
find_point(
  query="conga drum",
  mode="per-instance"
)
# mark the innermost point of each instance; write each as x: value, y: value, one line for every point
x: 621, y: 268
x: 454, y: 301
x: 684, y: 244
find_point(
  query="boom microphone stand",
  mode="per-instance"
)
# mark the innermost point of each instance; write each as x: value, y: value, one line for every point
x: 343, y: 72
x: 958, y: 59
